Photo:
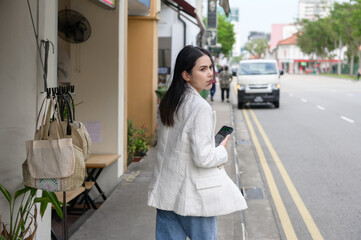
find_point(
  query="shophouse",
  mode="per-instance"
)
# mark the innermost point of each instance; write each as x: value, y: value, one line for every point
x: 292, y: 60
x: 180, y: 25
x: 114, y: 73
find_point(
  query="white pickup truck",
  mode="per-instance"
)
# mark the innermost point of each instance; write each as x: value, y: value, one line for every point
x: 258, y: 81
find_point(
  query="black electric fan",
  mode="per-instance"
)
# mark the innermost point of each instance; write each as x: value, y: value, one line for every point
x: 73, y: 27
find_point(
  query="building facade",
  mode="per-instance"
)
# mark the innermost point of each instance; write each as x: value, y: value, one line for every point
x: 311, y: 9
x: 104, y: 69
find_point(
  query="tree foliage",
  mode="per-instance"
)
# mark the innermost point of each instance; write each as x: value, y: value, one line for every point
x: 257, y: 47
x: 226, y: 35
x: 343, y: 25
x: 316, y: 37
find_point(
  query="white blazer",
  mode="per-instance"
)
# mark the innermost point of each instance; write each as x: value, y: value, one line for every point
x: 186, y: 178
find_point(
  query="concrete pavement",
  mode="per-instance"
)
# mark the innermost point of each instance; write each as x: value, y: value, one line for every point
x: 125, y: 214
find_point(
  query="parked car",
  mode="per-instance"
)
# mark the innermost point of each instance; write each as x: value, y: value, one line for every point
x: 258, y: 81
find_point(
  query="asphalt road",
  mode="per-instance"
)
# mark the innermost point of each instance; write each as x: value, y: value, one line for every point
x: 316, y: 136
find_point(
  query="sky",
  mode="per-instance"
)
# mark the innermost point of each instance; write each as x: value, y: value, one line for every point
x: 259, y: 15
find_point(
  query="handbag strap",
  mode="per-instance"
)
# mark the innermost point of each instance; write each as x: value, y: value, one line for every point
x: 60, y: 105
x: 43, y: 118
x: 64, y: 104
x: 44, y: 129
x: 72, y: 104
x: 38, y: 115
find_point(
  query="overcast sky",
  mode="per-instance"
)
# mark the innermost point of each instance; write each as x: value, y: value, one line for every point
x: 259, y: 15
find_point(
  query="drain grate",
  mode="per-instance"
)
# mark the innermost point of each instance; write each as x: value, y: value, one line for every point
x: 242, y: 142
x: 253, y: 193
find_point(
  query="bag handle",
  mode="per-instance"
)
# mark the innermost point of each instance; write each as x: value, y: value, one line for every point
x: 62, y: 104
x: 65, y: 105
x: 72, y: 102
x: 44, y: 129
x: 38, y: 115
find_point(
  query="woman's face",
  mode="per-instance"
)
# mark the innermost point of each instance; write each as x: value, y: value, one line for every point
x: 202, y: 74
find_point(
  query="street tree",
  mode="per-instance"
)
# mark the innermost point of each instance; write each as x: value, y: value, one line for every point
x: 356, y: 26
x: 257, y: 47
x: 226, y: 35
x: 342, y: 17
x: 316, y: 38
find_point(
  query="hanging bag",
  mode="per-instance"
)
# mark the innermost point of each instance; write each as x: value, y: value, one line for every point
x: 50, y: 158
x: 56, y: 184
x: 79, y: 134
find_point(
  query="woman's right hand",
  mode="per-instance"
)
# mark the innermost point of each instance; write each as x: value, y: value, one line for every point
x: 225, y: 141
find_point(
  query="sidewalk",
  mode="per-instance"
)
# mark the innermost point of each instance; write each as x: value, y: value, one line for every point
x: 126, y: 216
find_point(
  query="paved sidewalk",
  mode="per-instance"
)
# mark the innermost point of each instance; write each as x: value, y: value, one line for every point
x: 126, y: 216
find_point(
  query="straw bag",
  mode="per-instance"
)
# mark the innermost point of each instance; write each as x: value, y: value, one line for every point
x: 39, y: 173
x: 79, y: 134
x: 58, y: 184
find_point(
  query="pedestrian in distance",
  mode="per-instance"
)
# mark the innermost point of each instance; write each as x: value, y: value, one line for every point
x: 358, y: 74
x: 225, y: 78
x: 190, y: 187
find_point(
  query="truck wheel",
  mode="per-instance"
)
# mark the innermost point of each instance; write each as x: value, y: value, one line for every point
x: 277, y: 104
x: 240, y: 105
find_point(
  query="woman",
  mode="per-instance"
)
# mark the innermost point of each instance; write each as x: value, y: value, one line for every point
x: 189, y: 186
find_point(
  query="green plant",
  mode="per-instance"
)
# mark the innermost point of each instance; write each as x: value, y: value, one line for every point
x: 160, y: 92
x: 131, y: 141
x: 138, y: 141
x: 23, y: 218
x: 142, y: 142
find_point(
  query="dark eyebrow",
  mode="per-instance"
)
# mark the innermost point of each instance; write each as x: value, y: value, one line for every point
x: 204, y: 65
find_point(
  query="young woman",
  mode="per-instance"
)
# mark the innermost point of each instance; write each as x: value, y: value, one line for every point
x: 189, y: 186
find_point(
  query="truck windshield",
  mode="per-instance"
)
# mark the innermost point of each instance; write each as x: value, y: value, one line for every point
x: 257, y: 68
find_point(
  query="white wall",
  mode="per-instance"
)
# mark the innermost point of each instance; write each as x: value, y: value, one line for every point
x: 289, y: 30
x: 98, y: 77
x: 171, y: 26
x: 236, y: 51
x: 21, y: 84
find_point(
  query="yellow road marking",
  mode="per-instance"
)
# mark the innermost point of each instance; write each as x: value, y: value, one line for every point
x: 280, y: 207
x: 306, y: 216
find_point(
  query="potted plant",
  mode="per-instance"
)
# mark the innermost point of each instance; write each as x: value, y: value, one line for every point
x: 142, y: 144
x: 23, y: 223
x: 138, y: 142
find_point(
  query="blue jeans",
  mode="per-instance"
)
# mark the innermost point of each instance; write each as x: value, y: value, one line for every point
x: 171, y: 226
x: 213, y: 90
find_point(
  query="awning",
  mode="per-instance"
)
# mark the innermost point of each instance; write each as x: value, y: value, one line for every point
x: 225, y: 5
x: 190, y: 10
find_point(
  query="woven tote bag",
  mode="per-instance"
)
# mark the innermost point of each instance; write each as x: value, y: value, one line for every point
x: 53, y: 183
x: 58, y: 184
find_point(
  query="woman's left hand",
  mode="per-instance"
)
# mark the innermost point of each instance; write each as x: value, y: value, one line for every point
x: 225, y: 141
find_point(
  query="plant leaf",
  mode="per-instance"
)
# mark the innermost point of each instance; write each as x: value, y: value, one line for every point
x: 32, y: 191
x: 43, y: 204
x: 20, y: 192
x: 54, y: 201
x: 41, y: 199
x: 5, y: 193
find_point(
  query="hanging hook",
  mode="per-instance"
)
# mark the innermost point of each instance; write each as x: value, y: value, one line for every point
x: 48, y: 93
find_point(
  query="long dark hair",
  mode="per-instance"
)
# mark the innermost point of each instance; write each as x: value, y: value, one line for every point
x: 174, y: 97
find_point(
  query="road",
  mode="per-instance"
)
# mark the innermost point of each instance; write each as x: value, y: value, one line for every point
x: 312, y: 147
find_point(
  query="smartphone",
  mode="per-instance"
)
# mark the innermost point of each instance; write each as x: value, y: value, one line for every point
x: 222, y: 134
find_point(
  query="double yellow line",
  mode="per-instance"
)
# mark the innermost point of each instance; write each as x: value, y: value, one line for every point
x: 280, y: 207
